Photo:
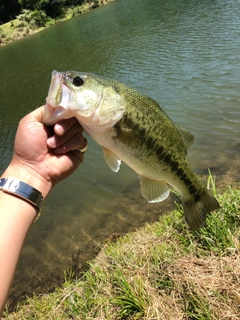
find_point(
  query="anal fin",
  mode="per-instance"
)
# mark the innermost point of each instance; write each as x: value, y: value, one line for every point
x: 154, y: 190
x: 113, y: 162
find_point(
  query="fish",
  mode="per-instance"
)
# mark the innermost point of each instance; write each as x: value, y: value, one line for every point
x: 132, y: 127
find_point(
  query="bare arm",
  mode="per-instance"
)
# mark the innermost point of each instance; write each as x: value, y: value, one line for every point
x: 42, y: 157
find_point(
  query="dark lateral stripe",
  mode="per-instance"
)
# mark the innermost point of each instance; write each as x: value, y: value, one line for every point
x: 162, y: 155
x: 174, y: 165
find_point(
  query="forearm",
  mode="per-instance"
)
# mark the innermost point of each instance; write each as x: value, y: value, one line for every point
x: 16, y: 217
x: 14, y: 225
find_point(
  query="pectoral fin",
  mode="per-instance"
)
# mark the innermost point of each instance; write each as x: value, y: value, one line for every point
x: 153, y: 190
x: 113, y: 162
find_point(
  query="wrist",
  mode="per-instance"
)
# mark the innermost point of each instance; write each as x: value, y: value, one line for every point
x: 23, y: 191
x: 28, y: 176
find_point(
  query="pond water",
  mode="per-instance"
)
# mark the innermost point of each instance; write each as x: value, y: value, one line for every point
x: 185, y: 55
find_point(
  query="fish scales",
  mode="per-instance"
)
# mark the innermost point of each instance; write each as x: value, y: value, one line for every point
x: 158, y: 150
x: 132, y: 127
x: 140, y: 124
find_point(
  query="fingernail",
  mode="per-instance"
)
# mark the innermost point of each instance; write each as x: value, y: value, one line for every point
x: 51, y: 142
x: 59, y: 129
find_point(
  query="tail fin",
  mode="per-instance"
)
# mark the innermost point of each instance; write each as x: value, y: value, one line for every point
x: 195, y: 212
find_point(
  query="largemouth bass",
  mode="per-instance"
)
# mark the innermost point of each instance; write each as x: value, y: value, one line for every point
x: 132, y: 127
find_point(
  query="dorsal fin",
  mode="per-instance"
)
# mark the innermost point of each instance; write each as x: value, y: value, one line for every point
x: 188, y: 138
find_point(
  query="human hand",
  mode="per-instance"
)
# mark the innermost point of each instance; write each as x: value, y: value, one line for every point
x: 43, y: 156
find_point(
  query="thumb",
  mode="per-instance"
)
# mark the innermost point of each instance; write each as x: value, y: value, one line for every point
x: 38, y: 114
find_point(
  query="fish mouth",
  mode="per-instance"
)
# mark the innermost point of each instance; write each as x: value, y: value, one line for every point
x: 56, y: 107
x: 52, y: 115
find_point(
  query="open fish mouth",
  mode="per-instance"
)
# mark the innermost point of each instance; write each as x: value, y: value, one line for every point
x: 52, y: 114
x: 56, y: 107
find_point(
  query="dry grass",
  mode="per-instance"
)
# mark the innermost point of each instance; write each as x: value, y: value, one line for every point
x: 210, y: 284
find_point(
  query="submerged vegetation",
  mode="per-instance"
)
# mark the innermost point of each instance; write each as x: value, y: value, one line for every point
x: 162, y: 271
x: 32, y: 19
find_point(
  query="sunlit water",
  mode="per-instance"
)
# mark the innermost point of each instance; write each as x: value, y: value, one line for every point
x: 184, y: 54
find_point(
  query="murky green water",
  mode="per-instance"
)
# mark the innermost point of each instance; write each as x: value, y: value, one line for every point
x: 184, y: 54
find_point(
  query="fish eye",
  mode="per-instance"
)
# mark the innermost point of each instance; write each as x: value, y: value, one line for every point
x: 78, y: 81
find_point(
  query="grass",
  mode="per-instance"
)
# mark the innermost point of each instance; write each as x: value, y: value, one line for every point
x: 15, y: 30
x: 162, y: 271
x: 20, y: 28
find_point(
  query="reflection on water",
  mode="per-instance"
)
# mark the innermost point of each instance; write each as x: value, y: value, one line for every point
x: 184, y: 54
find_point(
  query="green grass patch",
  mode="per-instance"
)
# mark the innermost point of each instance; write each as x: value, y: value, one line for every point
x: 162, y: 271
x: 37, y: 20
